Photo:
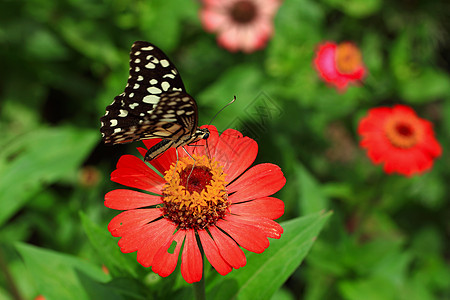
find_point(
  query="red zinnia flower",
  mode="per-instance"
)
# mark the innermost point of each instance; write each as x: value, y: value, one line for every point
x: 400, y: 139
x: 240, y: 24
x: 339, y: 65
x: 206, y: 201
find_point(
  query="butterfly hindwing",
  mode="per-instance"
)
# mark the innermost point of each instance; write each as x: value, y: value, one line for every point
x: 138, y: 113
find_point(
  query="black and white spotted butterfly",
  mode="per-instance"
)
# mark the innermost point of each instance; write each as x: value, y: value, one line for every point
x: 154, y: 105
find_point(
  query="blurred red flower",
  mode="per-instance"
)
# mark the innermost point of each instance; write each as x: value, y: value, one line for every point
x: 213, y: 200
x: 400, y: 139
x: 240, y: 24
x: 339, y: 65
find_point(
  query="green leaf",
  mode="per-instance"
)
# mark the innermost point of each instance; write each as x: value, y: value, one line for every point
x: 368, y: 289
x: 168, y: 17
x: 429, y: 85
x: 108, y: 250
x: 265, y: 273
x: 245, y: 82
x: 40, y: 157
x: 357, y: 8
x: 61, y: 276
x: 312, y: 197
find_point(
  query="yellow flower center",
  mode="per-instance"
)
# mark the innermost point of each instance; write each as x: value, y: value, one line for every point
x: 195, y: 195
x: 403, y: 132
x: 348, y: 58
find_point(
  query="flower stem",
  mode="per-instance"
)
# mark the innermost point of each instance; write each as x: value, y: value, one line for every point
x: 9, y: 278
x: 199, y: 287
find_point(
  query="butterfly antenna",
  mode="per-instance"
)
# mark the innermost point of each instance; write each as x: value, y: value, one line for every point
x: 213, y: 118
x: 226, y: 105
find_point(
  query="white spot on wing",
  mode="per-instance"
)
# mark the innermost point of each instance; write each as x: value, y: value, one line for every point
x: 117, y: 130
x: 133, y: 105
x: 152, y: 59
x: 150, y: 65
x: 149, y: 48
x: 165, y: 85
x: 169, y: 75
x: 140, y: 78
x: 137, y: 52
x: 153, y: 81
x: 154, y: 90
x: 176, y: 89
x: 113, y: 122
x: 189, y: 113
x: 137, y: 60
x: 137, y: 69
x: 151, y: 99
x: 164, y: 63
x: 180, y: 112
x: 123, y: 113
x: 131, y: 95
x: 136, y: 86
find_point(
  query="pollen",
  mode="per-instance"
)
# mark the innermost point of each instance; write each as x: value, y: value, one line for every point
x: 195, y: 195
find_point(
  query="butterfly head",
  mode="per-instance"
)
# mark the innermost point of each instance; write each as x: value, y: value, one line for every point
x: 201, y: 133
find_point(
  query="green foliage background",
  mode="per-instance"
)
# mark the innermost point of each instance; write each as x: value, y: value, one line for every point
x: 62, y: 63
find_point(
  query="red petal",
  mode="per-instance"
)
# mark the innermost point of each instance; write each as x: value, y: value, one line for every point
x: 268, y: 207
x: 191, y: 259
x: 270, y: 228
x: 248, y: 237
x: 132, y: 219
x: 325, y: 62
x: 154, y: 240
x: 259, y: 181
x: 163, y: 162
x: 404, y: 109
x: 212, y: 253
x: 128, y: 199
x: 228, y: 248
x: 133, y: 239
x: 235, y: 153
x: 133, y: 172
x: 167, y: 262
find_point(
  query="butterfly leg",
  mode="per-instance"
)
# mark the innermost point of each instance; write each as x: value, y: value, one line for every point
x: 193, y: 166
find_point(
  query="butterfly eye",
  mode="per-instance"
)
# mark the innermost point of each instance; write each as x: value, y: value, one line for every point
x: 205, y: 136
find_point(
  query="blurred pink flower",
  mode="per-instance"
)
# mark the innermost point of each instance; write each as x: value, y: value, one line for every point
x: 339, y: 65
x: 240, y: 24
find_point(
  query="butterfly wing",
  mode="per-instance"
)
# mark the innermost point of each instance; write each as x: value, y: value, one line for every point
x: 152, y: 104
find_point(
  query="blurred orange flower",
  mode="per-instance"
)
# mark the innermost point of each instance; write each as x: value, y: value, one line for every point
x: 339, y: 65
x: 400, y: 139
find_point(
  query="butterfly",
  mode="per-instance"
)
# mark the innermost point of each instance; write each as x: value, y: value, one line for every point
x: 154, y: 105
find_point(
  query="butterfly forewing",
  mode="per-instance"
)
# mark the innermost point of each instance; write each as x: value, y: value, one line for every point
x: 154, y: 103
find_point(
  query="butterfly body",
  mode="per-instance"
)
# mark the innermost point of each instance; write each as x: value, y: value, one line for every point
x: 154, y: 104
